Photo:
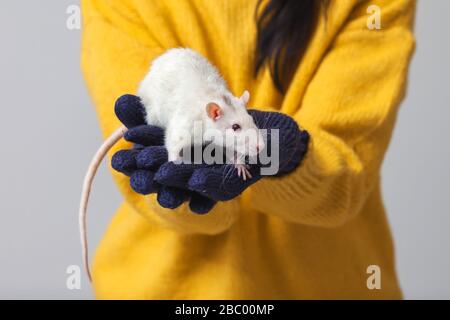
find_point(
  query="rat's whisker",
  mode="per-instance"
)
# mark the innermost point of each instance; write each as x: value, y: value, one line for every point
x: 228, y: 173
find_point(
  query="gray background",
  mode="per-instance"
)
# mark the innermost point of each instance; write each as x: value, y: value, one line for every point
x: 50, y: 131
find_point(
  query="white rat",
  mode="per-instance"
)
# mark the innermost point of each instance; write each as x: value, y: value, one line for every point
x: 182, y: 88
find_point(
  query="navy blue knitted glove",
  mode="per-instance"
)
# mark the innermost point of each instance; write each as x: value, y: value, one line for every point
x: 149, y: 171
x: 221, y: 182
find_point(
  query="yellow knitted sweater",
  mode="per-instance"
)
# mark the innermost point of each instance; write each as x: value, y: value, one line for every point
x: 311, y: 234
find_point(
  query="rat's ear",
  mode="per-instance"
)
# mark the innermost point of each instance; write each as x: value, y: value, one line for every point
x: 245, y: 97
x: 214, y: 111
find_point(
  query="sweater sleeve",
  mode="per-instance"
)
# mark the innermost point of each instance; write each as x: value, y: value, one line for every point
x: 349, y: 108
x: 117, y: 49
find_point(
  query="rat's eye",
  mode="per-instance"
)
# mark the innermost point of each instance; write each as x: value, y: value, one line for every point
x: 236, y: 127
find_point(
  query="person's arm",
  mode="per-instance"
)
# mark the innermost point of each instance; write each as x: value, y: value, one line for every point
x: 349, y: 109
x: 117, y: 49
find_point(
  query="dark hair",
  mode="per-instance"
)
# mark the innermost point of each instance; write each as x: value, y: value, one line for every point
x: 284, y: 30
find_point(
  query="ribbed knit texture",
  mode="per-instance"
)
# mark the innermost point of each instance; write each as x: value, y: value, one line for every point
x: 309, y: 234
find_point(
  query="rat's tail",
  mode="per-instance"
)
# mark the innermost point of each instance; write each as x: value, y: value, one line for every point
x: 87, y: 186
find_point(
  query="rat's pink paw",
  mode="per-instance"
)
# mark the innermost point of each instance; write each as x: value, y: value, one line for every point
x: 243, y: 172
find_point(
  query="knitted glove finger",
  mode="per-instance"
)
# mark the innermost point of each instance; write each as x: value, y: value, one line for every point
x: 176, y: 175
x: 124, y: 161
x: 221, y: 182
x: 145, y: 135
x: 172, y: 198
x: 200, y: 204
x: 130, y: 111
x: 142, y: 182
x: 151, y: 158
